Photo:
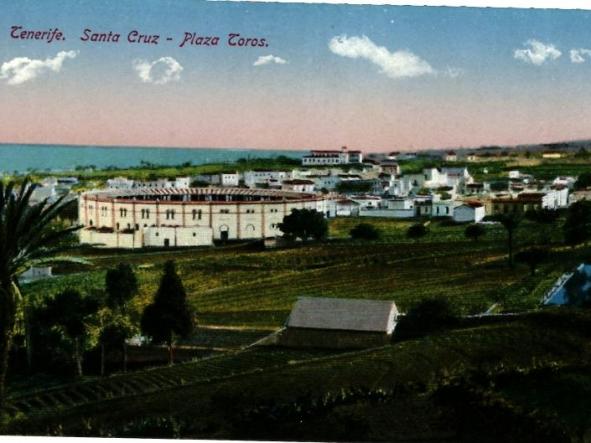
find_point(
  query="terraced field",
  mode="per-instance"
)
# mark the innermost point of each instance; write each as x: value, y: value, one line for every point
x: 264, y: 374
x: 47, y: 401
x: 238, y: 286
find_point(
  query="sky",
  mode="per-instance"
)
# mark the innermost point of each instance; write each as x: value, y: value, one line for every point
x: 375, y: 78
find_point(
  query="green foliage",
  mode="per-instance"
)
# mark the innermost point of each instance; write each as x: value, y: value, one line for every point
x: 169, y: 313
x: 426, y: 317
x: 533, y: 257
x: 304, y: 224
x: 474, y: 231
x: 114, y: 334
x: 121, y: 285
x: 499, y: 186
x: 543, y: 216
x: 583, y: 180
x: 28, y: 236
x: 577, y: 227
x: 510, y: 222
x: 71, y: 314
x: 354, y: 186
x: 416, y: 231
x: 365, y: 231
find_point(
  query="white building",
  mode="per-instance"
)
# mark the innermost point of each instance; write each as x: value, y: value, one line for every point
x: 472, y: 212
x: 450, y: 156
x: 443, y: 208
x: 120, y: 183
x: 41, y: 193
x: 187, y: 217
x: 347, y: 208
x: 226, y: 179
x: 567, y: 181
x: 390, y: 167
x: 264, y: 177
x: 332, y: 157
x: 297, y: 185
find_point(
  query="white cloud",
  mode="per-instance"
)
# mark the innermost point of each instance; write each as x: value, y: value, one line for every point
x: 268, y: 59
x: 23, y: 69
x: 158, y: 72
x: 537, y: 52
x: 579, y: 55
x: 396, y: 64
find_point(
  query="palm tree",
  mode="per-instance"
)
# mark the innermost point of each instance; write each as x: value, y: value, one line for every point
x: 510, y: 222
x: 27, y: 238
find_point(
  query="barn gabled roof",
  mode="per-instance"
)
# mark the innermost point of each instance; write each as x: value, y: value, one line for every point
x: 343, y: 314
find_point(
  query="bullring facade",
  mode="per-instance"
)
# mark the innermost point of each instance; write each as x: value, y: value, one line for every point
x: 186, y: 217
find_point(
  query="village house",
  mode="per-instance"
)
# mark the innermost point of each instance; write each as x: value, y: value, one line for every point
x: 401, y: 207
x: 265, y: 177
x: 477, y: 189
x: 44, y: 192
x: 367, y: 201
x: 567, y: 181
x: 224, y: 179
x: 390, y: 167
x: 332, y: 157
x: 120, y: 183
x: 339, y: 323
x: 298, y: 185
x: 526, y: 201
x: 443, y: 208
x: 469, y: 211
x: 450, y: 156
x: 346, y: 207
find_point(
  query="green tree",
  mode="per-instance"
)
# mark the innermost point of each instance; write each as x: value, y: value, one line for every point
x: 416, y: 231
x: 304, y: 224
x: 113, y: 336
x: 583, y: 181
x: 577, y: 226
x: 582, y: 153
x: 474, y: 231
x: 27, y: 238
x: 72, y: 313
x: 168, y: 316
x: 365, y: 231
x: 510, y: 222
x: 428, y: 316
x: 121, y: 285
x: 533, y: 257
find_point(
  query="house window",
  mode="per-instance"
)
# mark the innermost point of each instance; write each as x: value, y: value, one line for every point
x: 447, y: 209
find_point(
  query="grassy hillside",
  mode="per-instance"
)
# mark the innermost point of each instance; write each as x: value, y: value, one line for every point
x: 208, y: 398
x: 240, y: 286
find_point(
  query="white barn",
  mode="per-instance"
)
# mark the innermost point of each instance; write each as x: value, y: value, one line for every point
x: 469, y: 212
x: 339, y: 323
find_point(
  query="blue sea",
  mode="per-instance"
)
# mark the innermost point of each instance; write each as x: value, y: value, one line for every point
x: 27, y: 158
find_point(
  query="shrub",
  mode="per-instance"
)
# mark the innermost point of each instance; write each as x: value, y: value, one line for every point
x: 365, y: 231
